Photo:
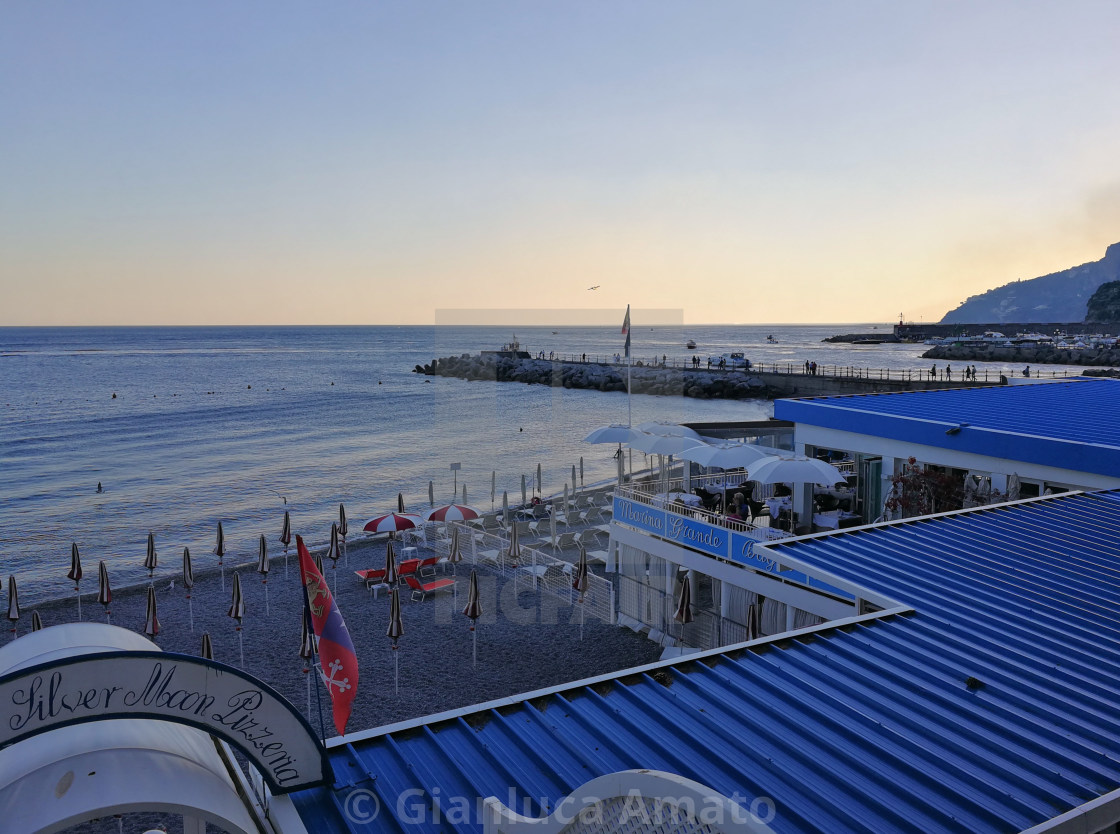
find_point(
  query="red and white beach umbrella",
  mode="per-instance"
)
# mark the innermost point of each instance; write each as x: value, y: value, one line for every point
x: 104, y: 591
x: 75, y: 575
x: 451, y: 512
x: 188, y: 582
x: 151, y: 561
x: 151, y: 621
x: 392, y: 523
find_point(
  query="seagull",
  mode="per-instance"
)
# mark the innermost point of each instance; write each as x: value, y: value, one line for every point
x: 594, y: 288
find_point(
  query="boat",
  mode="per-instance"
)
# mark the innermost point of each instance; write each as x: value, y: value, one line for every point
x: 690, y: 344
x: 772, y: 340
x: 511, y: 350
x: 735, y: 360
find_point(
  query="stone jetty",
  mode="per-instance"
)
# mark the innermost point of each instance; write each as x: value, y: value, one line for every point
x: 1026, y: 354
x: 699, y: 383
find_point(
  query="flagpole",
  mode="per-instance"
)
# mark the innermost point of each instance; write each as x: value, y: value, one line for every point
x: 629, y: 407
x: 314, y: 661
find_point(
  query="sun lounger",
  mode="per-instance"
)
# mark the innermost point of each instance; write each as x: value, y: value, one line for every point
x: 427, y: 567
x: 408, y: 568
x: 374, y: 580
x: 420, y: 590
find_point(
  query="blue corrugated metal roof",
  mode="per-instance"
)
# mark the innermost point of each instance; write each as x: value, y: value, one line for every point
x: 1045, y: 423
x: 871, y: 726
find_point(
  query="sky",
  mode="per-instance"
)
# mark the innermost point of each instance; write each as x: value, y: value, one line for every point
x: 377, y: 162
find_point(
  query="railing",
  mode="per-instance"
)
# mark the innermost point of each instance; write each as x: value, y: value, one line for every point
x: 649, y: 494
x: 926, y: 374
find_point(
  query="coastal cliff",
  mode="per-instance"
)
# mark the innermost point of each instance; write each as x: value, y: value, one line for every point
x: 1059, y: 296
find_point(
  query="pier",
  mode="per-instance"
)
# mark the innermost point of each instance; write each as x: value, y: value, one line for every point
x: 761, y: 381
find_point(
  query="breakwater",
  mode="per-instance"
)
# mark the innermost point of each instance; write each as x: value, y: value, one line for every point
x: 1027, y: 354
x: 697, y: 382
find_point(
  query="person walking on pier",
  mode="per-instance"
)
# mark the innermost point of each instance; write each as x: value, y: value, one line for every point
x: 933, y: 372
x: 949, y: 372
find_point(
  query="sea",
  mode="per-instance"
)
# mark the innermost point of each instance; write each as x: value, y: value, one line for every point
x: 184, y: 427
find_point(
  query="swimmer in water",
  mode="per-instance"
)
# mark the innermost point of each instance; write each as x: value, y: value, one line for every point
x: 99, y: 489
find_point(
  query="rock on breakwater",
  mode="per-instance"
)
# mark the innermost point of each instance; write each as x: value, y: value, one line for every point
x: 644, y: 379
x: 1027, y: 354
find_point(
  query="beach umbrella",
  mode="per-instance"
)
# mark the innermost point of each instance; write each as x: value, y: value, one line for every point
x: 150, y: 560
x: 455, y: 556
x: 307, y: 652
x: 237, y: 612
x: 188, y: 583
x: 540, y: 482
x: 505, y: 508
x: 665, y: 429
x: 567, y: 509
x: 286, y: 539
x: 394, y: 632
x: 655, y: 444
x: 609, y: 434
x: 575, y: 485
x: 621, y: 468
x: 13, y: 604
x: 431, y: 494
x: 464, y: 493
x: 319, y: 563
x: 333, y: 553
x: 795, y: 469
x: 391, y: 577
x: 514, y: 551
x: 400, y: 502
x: 473, y: 611
x: 36, y: 621
x: 207, y: 650
x: 524, y: 491
x: 754, y: 618
x: 451, y: 512
x: 579, y: 584
x: 220, y: 552
x: 581, y: 471
x: 151, y: 621
x: 392, y: 523
x: 75, y: 575
x: 728, y: 455
x: 343, y: 529
x: 104, y: 592
x: 262, y: 569
x: 684, y: 606
x: 493, y: 487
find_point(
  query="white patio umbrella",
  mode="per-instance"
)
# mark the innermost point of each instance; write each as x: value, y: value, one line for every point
x: 657, y: 445
x: 1013, y: 487
x: 609, y: 434
x: 665, y: 429
x: 797, y: 469
x: 727, y: 455
x: 451, y: 512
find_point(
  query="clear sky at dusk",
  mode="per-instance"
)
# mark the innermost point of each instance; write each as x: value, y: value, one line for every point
x: 373, y: 162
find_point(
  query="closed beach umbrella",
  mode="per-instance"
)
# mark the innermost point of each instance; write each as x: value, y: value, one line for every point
x: 400, y: 502
x: 151, y: 621
x: 514, y: 551
x: 455, y: 556
x: 104, y: 591
x: 451, y: 512
x: 13, y: 604
x: 464, y: 493
x: 343, y: 530
x: 188, y: 582
x: 334, y: 552
x: 262, y: 568
x: 621, y: 467
x: 392, y: 523
x: 237, y: 612
x: 36, y: 621
x: 286, y: 539
x: 575, y: 485
x: 684, y: 606
x: 579, y: 584
x: 567, y: 509
x: 319, y: 563
x: 505, y: 508
x: 431, y: 494
x: 540, y: 482
x: 552, y: 531
x: 150, y: 560
x: 581, y: 470
x: 473, y: 611
x: 391, y: 577
x: 307, y: 652
x: 524, y: 490
x: 75, y: 575
x: 220, y: 552
x: 207, y: 650
x: 394, y: 632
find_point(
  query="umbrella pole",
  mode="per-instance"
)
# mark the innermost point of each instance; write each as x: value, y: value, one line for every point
x: 241, y: 645
x: 286, y: 571
x: 223, y: 569
x: 474, y: 646
x: 190, y: 611
x: 581, y: 620
x: 396, y: 671
x: 78, y: 591
x: 265, y: 583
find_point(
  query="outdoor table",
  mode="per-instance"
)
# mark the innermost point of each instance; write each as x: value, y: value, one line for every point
x: 664, y: 499
x: 832, y: 520
x: 776, y: 505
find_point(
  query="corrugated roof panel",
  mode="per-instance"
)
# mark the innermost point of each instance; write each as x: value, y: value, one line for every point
x: 874, y: 726
x: 1043, y: 423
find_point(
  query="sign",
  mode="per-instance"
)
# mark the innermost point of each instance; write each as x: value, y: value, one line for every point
x: 455, y: 467
x: 162, y: 686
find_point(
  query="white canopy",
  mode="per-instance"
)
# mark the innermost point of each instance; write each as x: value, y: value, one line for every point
x: 655, y: 445
x: 797, y: 469
x: 664, y: 428
x: 609, y: 434
x: 727, y: 455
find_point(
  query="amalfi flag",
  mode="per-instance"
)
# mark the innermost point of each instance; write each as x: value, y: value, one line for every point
x: 336, y: 650
x: 626, y: 329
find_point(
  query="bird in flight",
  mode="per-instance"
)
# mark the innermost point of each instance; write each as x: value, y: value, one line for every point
x: 594, y: 288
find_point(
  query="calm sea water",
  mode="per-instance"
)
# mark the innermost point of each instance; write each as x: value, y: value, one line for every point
x: 212, y: 424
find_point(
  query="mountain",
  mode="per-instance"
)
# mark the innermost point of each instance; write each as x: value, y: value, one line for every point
x: 1104, y: 306
x: 1058, y: 297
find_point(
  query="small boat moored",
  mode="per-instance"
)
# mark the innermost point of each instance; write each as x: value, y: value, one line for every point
x: 690, y: 344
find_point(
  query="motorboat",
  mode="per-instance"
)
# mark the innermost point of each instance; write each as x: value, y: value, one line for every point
x: 690, y: 344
